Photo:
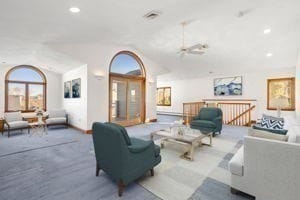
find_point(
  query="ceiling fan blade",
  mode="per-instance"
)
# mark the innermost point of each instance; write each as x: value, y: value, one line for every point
x: 196, y: 46
x: 196, y: 52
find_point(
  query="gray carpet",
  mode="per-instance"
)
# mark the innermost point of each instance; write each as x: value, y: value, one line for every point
x: 61, y: 165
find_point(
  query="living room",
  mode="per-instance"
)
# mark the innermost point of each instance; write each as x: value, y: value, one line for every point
x: 75, y: 77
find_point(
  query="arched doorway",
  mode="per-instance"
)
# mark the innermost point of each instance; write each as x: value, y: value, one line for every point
x: 126, y: 89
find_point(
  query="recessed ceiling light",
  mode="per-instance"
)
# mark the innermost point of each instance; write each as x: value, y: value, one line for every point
x: 269, y: 54
x: 74, y: 10
x: 267, y: 31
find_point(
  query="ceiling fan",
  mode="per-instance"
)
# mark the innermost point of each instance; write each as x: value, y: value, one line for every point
x: 197, y: 49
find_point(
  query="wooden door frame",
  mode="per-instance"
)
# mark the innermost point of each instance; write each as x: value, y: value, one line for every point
x: 128, y: 77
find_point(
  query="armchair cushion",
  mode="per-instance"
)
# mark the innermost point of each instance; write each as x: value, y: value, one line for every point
x: 203, y: 123
x: 13, y: 116
x: 139, y: 145
x: 267, y: 135
x: 17, y: 124
x: 56, y: 113
x: 277, y: 131
x: 57, y: 120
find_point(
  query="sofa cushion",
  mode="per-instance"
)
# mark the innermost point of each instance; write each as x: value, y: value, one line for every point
x: 57, y: 120
x: 123, y: 131
x: 272, y: 122
x: 13, y: 116
x: 56, y: 113
x: 18, y: 124
x: 267, y: 135
x: 236, y: 164
x: 277, y: 131
x: 294, y: 134
x: 203, y: 123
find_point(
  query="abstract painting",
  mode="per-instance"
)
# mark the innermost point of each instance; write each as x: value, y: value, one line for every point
x: 76, y: 88
x: 230, y: 86
x: 67, y: 89
x: 281, y: 94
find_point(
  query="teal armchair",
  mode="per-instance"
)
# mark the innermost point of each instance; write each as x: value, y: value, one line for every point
x: 208, y: 120
x: 123, y: 158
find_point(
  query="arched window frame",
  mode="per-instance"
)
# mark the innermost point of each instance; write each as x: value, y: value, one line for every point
x: 136, y: 57
x: 26, y: 83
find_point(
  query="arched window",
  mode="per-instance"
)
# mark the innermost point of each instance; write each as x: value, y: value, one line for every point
x: 25, y: 89
x: 127, y: 63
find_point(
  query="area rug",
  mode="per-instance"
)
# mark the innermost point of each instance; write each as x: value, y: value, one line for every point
x: 179, y: 179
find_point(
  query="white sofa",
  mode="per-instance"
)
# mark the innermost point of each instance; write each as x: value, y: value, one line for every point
x: 268, y: 169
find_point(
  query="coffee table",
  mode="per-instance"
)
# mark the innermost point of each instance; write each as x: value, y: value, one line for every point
x: 38, y: 128
x: 183, y: 135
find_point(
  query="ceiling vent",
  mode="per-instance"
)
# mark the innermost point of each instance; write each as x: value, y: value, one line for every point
x: 152, y: 14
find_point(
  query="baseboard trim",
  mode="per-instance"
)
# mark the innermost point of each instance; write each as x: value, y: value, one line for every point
x: 169, y: 113
x: 153, y: 120
x: 81, y: 130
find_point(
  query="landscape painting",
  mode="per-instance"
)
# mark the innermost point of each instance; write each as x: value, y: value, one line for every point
x: 67, y: 89
x: 231, y: 86
x: 76, y: 88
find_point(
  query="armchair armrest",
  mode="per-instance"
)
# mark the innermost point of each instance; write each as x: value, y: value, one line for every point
x: 5, y: 122
x: 218, y: 119
x: 67, y: 118
x: 140, y: 146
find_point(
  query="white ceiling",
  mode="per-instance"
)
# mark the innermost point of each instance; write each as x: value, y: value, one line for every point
x: 29, y: 29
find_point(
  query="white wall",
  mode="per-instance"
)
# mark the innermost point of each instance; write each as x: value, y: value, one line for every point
x: 77, y: 107
x: 98, y: 58
x: 298, y: 87
x: 54, y: 89
x: 193, y: 90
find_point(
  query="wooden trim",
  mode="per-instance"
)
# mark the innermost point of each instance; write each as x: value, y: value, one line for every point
x: 26, y: 83
x: 193, y: 102
x: 293, y: 106
x: 229, y: 100
x: 135, y: 56
x: 79, y: 129
x: 127, y: 78
x: 153, y: 120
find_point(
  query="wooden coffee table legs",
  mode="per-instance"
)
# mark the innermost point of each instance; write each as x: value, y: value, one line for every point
x: 190, y: 147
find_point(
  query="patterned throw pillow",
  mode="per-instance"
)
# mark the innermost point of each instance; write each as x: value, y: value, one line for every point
x: 270, y: 122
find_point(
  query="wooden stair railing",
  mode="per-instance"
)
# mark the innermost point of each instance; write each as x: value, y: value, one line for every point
x: 234, y: 113
x: 190, y: 110
x: 238, y: 120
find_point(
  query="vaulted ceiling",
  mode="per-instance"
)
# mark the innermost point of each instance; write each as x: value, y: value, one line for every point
x: 233, y: 30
